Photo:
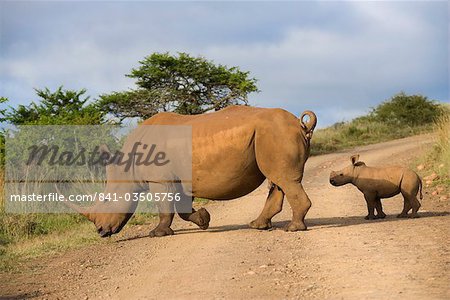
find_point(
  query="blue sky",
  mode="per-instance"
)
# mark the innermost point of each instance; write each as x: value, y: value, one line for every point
x: 336, y: 58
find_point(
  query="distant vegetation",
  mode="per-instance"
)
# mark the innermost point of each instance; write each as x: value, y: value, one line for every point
x: 402, y: 115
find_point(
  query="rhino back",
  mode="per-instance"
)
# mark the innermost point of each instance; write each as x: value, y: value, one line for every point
x: 384, y: 182
x: 224, y: 162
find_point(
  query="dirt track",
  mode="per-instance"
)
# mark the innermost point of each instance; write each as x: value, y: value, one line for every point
x: 340, y: 256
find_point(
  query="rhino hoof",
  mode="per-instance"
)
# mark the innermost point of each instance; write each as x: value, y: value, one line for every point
x: 203, y: 218
x: 295, y: 226
x: 381, y: 216
x: 402, y: 216
x: 261, y: 225
x: 369, y: 217
x: 158, y: 232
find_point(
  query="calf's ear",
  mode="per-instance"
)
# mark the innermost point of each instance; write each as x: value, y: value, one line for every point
x: 354, y: 159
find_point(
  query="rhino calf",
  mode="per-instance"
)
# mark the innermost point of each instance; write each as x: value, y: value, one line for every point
x: 378, y: 183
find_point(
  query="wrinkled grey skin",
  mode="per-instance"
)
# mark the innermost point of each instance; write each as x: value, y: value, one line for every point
x: 379, y: 183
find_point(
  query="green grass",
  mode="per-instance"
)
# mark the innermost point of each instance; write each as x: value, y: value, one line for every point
x: 16, y: 227
x: 24, y: 236
x: 201, y: 201
x: 17, y: 251
x: 142, y: 218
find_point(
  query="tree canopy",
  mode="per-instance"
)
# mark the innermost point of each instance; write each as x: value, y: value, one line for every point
x: 183, y: 84
x: 62, y: 107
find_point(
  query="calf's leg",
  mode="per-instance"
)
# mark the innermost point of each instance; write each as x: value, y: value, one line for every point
x: 410, y: 196
x: 415, y: 204
x: 370, y: 199
x: 379, y: 208
x: 406, y: 208
x: 273, y: 205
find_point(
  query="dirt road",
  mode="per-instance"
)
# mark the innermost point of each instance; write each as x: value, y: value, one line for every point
x: 340, y: 256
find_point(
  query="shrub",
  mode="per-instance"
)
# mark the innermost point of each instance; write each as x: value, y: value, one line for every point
x: 410, y: 110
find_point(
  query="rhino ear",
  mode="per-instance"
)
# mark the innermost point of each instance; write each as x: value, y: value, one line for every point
x: 104, y: 153
x: 103, y: 149
x: 354, y: 159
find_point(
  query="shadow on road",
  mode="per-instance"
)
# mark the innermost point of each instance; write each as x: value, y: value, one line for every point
x: 32, y: 295
x: 311, y: 222
x: 358, y: 220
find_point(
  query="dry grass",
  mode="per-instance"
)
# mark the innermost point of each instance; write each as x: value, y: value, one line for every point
x: 20, y: 251
x: 440, y: 157
x: 437, y: 161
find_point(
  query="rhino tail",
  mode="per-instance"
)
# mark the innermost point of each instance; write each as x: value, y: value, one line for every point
x: 308, y: 125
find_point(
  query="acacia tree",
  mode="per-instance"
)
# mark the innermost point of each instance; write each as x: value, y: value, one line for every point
x: 183, y: 84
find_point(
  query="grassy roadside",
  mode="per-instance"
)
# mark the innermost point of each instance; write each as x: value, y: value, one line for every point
x: 360, y: 132
x: 434, y: 167
x: 19, y: 251
x: 28, y: 236
x: 400, y: 116
x: 32, y: 235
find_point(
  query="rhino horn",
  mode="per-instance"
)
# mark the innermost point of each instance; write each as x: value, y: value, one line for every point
x: 84, y: 211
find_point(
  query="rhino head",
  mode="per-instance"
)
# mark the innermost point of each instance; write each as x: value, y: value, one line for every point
x: 348, y: 174
x: 109, y: 217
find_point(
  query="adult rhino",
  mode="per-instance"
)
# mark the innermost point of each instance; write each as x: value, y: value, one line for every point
x: 233, y: 151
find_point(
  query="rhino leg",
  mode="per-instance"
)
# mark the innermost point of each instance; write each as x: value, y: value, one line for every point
x: 379, y: 208
x: 281, y: 159
x: 414, y: 203
x: 409, y: 188
x: 415, y: 207
x: 371, y: 200
x: 166, y: 214
x: 200, y: 217
x: 300, y: 204
x: 163, y: 228
x: 273, y: 205
x: 406, y: 208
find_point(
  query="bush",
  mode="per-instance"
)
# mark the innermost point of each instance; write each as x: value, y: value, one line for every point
x: 410, y: 110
